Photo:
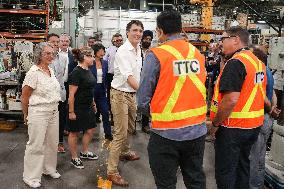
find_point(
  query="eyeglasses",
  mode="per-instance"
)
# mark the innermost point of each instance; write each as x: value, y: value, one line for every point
x: 118, y: 40
x: 49, y: 53
x: 90, y: 55
x: 223, y: 38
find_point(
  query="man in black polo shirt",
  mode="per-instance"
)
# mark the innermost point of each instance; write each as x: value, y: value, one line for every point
x: 237, y: 110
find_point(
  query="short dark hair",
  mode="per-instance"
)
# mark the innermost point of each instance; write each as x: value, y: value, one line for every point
x: 169, y: 21
x: 147, y: 33
x: 136, y: 22
x: 116, y: 35
x: 92, y: 38
x: 51, y: 35
x: 96, y: 39
x: 242, y: 33
x: 96, y: 47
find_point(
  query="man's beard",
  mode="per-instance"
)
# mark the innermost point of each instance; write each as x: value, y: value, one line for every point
x: 146, y: 45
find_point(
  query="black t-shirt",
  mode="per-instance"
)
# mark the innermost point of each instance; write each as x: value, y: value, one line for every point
x: 85, y: 81
x: 233, y: 76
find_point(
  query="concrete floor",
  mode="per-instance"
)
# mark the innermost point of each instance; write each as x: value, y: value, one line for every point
x: 138, y: 173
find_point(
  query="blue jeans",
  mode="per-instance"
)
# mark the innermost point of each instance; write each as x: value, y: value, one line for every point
x: 165, y: 156
x: 232, y: 150
x: 257, y: 155
x: 102, y: 106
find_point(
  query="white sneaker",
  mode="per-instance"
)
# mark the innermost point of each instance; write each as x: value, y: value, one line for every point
x: 89, y: 155
x: 33, y: 184
x: 54, y: 175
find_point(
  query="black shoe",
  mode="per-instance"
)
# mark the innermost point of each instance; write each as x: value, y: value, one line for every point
x: 146, y: 129
x: 109, y: 137
x: 77, y: 162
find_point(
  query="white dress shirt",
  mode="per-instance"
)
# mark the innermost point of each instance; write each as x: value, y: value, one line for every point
x: 109, y: 57
x: 65, y: 54
x: 128, y: 61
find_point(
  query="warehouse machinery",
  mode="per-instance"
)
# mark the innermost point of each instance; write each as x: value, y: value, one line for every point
x: 206, y: 16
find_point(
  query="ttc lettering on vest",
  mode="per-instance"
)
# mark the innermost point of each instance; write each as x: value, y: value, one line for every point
x: 185, y: 67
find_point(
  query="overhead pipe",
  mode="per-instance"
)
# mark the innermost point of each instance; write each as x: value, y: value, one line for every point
x: 162, y: 4
x: 263, y: 18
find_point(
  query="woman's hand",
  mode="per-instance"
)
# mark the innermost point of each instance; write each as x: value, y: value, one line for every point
x: 25, y: 119
x: 72, y: 116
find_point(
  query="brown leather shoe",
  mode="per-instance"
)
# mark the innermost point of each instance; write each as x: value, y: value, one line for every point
x: 132, y: 156
x: 117, y: 180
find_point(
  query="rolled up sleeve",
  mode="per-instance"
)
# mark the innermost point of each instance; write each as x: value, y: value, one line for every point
x: 148, y: 82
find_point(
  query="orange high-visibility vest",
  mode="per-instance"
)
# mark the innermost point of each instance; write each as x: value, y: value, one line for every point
x: 249, y: 110
x: 180, y: 96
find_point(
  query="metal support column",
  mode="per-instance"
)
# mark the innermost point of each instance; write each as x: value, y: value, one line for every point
x: 70, y: 12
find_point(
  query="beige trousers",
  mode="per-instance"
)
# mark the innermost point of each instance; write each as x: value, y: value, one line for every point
x: 41, y: 149
x: 123, y: 106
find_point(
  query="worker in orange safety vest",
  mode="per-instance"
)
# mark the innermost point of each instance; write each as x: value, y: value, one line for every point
x: 237, y: 109
x: 172, y: 90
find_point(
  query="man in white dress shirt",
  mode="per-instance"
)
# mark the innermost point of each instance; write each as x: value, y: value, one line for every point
x: 127, y: 68
x: 109, y: 57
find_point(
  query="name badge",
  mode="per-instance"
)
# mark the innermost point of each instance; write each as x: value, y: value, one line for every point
x: 185, y: 67
x: 259, y: 77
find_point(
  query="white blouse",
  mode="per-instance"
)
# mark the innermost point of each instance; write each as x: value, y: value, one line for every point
x: 46, y: 88
x: 99, y: 76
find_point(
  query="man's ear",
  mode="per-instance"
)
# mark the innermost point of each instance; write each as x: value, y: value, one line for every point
x: 238, y: 39
x: 160, y: 32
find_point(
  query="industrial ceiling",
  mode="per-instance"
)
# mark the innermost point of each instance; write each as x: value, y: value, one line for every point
x: 257, y: 10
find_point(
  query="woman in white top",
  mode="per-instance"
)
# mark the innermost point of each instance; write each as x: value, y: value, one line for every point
x: 100, y: 70
x: 40, y: 97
